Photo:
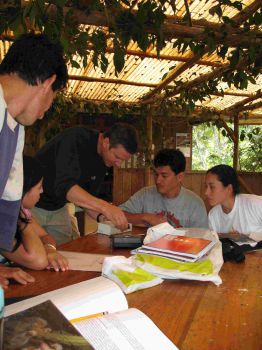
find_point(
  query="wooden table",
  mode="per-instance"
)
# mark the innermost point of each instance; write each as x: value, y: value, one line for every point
x: 194, y: 315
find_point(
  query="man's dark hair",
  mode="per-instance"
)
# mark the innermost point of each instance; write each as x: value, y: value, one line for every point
x: 123, y: 134
x: 172, y: 157
x: 34, y: 58
x: 227, y: 175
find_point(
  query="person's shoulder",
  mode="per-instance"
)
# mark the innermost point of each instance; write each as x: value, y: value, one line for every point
x: 78, y: 133
x: 81, y: 130
x: 146, y: 190
x: 249, y: 199
x: 192, y: 195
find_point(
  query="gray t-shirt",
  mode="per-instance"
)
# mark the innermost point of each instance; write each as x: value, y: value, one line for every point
x: 185, y: 210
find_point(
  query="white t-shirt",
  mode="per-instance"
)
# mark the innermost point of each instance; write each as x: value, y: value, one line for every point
x: 245, y: 217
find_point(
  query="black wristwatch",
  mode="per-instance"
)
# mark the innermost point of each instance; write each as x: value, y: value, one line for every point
x: 98, y: 217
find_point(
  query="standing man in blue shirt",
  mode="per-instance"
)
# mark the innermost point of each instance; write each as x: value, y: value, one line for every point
x: 31, y: 73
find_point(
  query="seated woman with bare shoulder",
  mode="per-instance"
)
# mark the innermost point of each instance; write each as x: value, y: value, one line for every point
x: 232, y: 211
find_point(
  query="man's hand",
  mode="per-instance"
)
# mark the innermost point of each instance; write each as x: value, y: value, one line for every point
x: 14, y: 273
x: 116, y: 215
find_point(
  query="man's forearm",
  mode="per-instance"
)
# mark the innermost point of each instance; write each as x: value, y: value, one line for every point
x: 136, y: 219
x: 83, y: 199
x: 148, y: 219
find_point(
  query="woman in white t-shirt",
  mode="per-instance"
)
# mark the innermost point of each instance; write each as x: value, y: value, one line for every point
x: 232, y: 212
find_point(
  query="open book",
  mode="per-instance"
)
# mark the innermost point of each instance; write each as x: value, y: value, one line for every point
x: 42, y: 326
x: 99, y: 310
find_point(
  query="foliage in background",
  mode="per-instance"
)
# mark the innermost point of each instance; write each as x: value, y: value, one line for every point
x: 210, y: 147
x: 250, y: 150
x: 67, y: 106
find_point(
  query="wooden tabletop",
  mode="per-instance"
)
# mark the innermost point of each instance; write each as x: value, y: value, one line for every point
x: 194, y: 315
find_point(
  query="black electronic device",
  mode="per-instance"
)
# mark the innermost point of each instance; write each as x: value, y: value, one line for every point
x: 125, y: 240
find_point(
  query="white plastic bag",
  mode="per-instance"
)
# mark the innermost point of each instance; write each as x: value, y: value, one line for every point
x: 128, y: 275
x: 158, y: 231
x: 205, y: 269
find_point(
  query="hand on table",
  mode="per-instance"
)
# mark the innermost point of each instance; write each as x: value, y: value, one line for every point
x: 56, y: 261
x: 14, y: 273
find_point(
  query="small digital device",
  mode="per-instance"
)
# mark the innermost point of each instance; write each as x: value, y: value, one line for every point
x: 108, y: 228
x: 125, y: 240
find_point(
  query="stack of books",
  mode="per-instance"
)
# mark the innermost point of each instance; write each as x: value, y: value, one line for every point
x: 178, y: 248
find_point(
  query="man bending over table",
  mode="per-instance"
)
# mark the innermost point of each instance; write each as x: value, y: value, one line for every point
x: 76, y: 161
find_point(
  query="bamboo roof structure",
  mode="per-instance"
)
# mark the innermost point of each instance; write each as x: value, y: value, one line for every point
x: 148, y: 78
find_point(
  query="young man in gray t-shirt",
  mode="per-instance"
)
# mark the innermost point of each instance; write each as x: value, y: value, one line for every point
x: 168, y: 200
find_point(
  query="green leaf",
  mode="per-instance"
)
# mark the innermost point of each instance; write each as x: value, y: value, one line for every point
x: 234, y: 58
x: 224, y: 133
x: 119, y: 59
x: 74, y: 64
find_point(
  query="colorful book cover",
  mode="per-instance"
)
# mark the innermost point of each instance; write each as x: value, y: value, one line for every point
x: 42, y: 327
x: 181, y: 245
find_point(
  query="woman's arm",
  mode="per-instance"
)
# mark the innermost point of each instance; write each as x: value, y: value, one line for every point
x: 31, y: 252
x: 55, y: 260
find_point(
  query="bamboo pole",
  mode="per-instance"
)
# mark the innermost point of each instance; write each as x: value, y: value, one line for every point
x: 149, y: 129
x: 236, y: 142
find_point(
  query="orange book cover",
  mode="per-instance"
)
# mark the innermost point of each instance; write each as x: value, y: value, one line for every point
x: 181, y: 245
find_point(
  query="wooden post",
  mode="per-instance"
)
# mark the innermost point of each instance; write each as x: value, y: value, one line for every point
x: 149, y: 133
x: 236, y: 142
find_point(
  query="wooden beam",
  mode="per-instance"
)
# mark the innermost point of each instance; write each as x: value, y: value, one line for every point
x: 250, y: 107
x: 236, y: 142
x: 133, y: 83
x: 216, y: 73
x: 243, y: 15
x: 149, y: 132
x: 188, y: 13
x: 163, y: 57
x: 229, y: 131
x: 173, y: 30
x: 240, y: 104
x: 98, y: 18
x: 173, y: 75
x: 227, y: 93
x: 111, y: 81
x: 239, y: 18
x: 142, y: 54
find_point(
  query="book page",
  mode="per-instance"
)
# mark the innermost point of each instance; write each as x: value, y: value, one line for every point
x: 130, y: 330
x: 84, y: 261
x: 42, y: 327
x: 78, y: 300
